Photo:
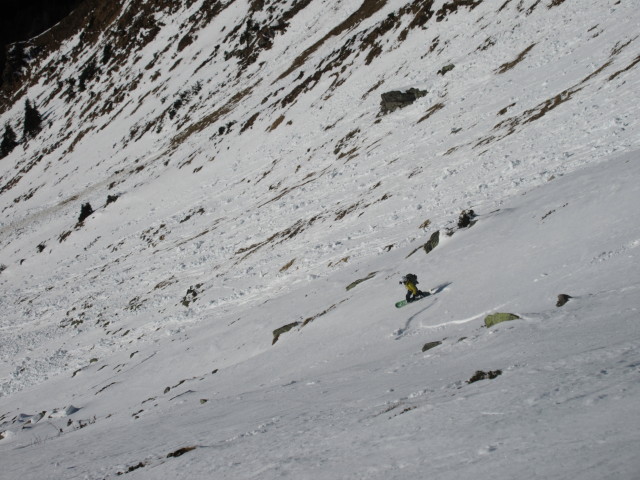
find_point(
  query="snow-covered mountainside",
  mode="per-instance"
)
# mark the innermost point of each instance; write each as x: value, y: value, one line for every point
x: 206, y: 215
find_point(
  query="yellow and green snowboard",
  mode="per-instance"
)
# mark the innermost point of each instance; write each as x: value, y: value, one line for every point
x: 402, y: 303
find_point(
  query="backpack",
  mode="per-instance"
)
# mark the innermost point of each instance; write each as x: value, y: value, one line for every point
x: 410, y: 277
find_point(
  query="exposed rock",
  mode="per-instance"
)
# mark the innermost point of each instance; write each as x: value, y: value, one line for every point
x: 85, y: 211
x: 480, y: 375
x: 562, y: 299
x: 509, y: 65
x: 318, y: 315
x: 287, y: 266
x: 191, y: 295
x: 452, y: 7
x: 399, y: 99
x: 133, y: 468
x: 111, y: 199
x: 445, y: 69
x: 433, y: 242
x: 466, y: 219
x: 180, y: 452
x: 279, y: 331
x: 430, y: 345
x: 357, y: 282
x: 496, y: 318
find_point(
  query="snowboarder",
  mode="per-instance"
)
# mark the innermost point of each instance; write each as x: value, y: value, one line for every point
x: 413, y: 293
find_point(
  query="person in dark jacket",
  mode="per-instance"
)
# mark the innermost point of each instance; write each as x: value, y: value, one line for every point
x: 410, y: 281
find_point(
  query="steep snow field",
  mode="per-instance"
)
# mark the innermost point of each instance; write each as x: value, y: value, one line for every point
x: 141, y: 342
x: 351, y: 395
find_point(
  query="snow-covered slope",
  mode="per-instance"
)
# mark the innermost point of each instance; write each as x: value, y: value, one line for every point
x: 243, y: 179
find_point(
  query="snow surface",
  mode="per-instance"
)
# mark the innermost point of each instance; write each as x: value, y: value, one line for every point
x: 149, y: 329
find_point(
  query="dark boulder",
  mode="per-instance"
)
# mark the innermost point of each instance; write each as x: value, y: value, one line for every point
x: 445, y: 69
x: 496, y: 318
x: 430, y: 345
x: 279, y: 331
x: 85, y: 211
x: 480, y: 375
x: 399, y: 99
x: 466, y: 219
x: 562, y: 299
x: 433, y: 242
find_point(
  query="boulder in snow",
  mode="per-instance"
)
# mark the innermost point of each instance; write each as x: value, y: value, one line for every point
x: 433, y: 242
x: 430, y: 345
x: 284, y: 329
x: 480, y: 375
x: 399, y: 99
x: 496, y: 318
x: 466, y: 219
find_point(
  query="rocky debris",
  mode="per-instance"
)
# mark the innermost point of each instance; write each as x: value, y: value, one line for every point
x: 180, y: 452
x: 563, y: 298
x: 191, y: 295
x: 133, y: 468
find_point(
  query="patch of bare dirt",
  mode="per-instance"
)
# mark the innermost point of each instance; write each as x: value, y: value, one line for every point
x: 279, y: 237
x: 452, y: 7
x: 510, y: 125
x: 504, y: 5
x: 431, y: 111
x: 626, y: 69
x: 367, y: 9
x: 555, y: 3
x: 533, y: 7
x: 276, y: 123
x: 505, y: 67
x: 312, y: 177
x: 212, y: 117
